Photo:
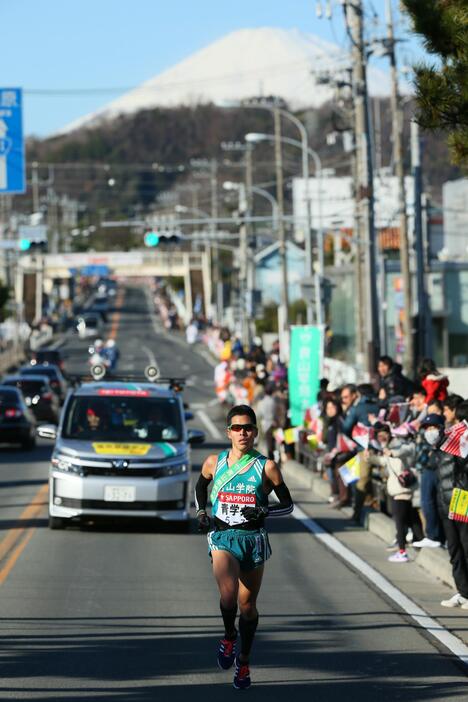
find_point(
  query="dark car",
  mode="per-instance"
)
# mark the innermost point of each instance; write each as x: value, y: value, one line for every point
x: 17, y: 422
x: 38, y: 395
x: 52, y: 357
x: 56, y: 379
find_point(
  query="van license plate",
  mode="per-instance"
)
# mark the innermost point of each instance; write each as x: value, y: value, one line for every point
x: 119, y: 493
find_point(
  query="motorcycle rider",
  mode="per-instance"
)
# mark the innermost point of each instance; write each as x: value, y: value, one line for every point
x: 110, y: 354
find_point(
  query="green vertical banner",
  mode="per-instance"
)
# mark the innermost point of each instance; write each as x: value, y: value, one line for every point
x: 305, y: 369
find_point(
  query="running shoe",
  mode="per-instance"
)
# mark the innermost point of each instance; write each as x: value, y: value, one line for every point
x: 242, y: 676
x: 399, y: 557
x: 226, y: 653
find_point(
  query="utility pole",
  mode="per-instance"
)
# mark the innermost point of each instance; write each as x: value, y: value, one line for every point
x: 215, y: 251
x: 354, y: 18
x: 284, y: 316
x: 35, y: 186
x: 424, y: 326
x: 399, y: 168
x: 243, y: 263
x: 250, y: 262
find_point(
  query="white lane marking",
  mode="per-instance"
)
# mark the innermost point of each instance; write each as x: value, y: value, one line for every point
x: 202, y: 405
x: 151, y: 356
x: 209, y: 424
x: 457, y: 647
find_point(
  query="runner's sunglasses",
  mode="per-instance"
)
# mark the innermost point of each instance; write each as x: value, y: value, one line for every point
x: 239, y: 427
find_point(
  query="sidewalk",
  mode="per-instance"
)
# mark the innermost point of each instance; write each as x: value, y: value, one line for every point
x: 426, y: 579
x: 433, y: 560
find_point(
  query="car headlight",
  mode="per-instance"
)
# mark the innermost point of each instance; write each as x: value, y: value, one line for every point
x: 173, y: 470
x: 65, y: 464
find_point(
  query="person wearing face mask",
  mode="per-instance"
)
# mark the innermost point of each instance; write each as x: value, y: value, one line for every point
x: 395, y: 457
x: 427, y: 461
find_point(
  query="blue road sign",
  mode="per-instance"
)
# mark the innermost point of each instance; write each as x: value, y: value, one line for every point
x: 12, y: 166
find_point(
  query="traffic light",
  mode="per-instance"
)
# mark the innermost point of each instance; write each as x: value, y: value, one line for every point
x: 159, y: 238
x: 28, y: 246
x: 151, y: 239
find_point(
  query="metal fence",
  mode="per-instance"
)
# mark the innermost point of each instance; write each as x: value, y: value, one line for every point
x: 310, y: 459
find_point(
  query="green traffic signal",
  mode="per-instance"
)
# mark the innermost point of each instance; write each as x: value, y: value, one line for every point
x: 151, y: 239
x: 24, y: 244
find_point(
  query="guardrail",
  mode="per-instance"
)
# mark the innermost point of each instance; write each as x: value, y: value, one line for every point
x: 310, y: 459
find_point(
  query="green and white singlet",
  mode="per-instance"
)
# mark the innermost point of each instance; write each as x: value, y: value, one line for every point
x: 243, y: 490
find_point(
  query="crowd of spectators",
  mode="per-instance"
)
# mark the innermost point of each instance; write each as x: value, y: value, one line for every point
x: 411, y: 434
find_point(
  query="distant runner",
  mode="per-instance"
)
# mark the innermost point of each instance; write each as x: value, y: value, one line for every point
x: 238, y: 544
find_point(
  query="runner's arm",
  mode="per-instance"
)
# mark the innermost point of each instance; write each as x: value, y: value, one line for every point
x: 201, y: 488
x: 285, y: 504
x: 272, y: 482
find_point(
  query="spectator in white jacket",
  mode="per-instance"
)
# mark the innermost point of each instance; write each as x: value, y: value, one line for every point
x: 396, y: 457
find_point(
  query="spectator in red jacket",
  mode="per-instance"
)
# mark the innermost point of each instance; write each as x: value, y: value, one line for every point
x: 434, y: 382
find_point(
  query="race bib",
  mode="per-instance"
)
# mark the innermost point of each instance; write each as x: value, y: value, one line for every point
x: 230, y: 505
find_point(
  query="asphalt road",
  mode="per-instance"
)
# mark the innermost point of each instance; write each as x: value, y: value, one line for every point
x: 130, y: 613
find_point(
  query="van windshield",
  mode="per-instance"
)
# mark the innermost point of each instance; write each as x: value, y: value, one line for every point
x: 135, y: 419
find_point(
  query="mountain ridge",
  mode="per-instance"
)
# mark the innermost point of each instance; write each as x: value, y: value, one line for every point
x: 240, y: 65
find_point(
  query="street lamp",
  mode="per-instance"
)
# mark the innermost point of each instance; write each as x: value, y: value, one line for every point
x: 183, y: 208
x: 304, y: 143
x: 241, y: 189
x: 209, y: 292
x: 273, y: 202
x: 255, y: 138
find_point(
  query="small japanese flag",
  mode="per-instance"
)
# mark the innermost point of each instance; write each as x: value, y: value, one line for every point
x: 456, y: 442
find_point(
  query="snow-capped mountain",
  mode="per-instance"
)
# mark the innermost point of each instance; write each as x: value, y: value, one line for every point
x: 246, y: 63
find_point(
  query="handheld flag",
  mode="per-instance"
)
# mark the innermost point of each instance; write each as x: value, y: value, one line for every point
x: 361, y: 435
x: 350, y: 472
x: 456, y: 442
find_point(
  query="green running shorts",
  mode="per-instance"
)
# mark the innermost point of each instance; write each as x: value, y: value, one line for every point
x: 250, y: 548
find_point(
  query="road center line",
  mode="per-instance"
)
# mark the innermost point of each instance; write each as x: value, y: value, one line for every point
x: 450, y: 641
x: 16, y: 553
x: 13, y: 544
x: 116, y: 317
x: 209, y: 424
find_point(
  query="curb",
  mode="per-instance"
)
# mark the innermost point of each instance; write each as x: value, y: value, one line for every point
x: 434, y: 560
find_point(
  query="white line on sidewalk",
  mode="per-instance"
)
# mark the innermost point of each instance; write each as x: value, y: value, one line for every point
x: 457, y: 647
x: 209, y: 424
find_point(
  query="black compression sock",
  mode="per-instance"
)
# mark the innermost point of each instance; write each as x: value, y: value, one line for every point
x: 247, y: 629
x: 229, y: 619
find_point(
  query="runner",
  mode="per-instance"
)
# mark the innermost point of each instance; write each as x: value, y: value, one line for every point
x: 238, y: 544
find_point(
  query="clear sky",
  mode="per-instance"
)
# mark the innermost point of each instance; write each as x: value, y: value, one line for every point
x: 104, y: 45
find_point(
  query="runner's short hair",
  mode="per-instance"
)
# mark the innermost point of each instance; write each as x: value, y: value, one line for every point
x: 241, y: 410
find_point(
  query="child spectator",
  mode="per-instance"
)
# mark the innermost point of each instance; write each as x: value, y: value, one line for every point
x: 395, y: 458
x: 449, y: 409
x: 434, y: 383
x: 427, y: 460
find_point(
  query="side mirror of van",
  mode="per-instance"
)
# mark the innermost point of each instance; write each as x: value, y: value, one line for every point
x: 196, y: 436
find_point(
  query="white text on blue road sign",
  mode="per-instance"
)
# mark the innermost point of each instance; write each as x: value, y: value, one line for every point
x: 12, y: 165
